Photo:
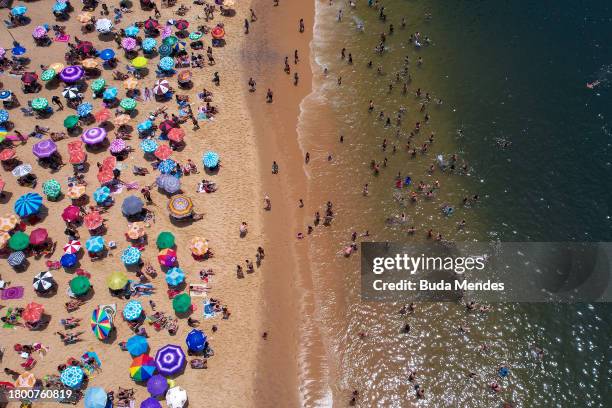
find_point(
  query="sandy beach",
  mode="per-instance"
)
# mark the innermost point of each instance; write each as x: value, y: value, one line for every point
x: 264, y: 371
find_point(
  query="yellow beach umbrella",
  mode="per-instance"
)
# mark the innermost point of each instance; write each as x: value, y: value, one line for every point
x: 8, y: 222
x: 89, y: 63
x: 130, y: 83
x: 84, y: 17
x: 75, y: 191
x: 4, y: 239
x: 116, y: 280
x: 198, y: 246
x: 139, y: 62
x: 136, y: 230
x: 56, y: 66
x: 26, y: 380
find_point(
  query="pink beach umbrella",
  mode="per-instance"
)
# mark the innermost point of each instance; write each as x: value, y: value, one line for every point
x: 117, y: 146
x: 39, y: 32
x: 128, y: 43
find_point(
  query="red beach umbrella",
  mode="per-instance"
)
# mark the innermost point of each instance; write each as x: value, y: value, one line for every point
x: 33, y: 312
x: 217, y: 32
x: 181, y: 25
x: 38, y: 236
x: 71, y: 213
x: 105, y: 175
x: 7, y: 154
x: 163, y: 152
x: 29, y: 77
x: 176, y: 135
x: 103, y: 115
x: 77, y: 157
x: 93, y: 220
x: 151, y: 24
x: 85, y: 47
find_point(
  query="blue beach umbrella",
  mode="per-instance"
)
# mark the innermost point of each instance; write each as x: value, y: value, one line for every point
x: 84, y: 109
x: 175, y: 276
x: 132, y: 31
x: 166, y: 166
x: 130, y: 255
x: 168, y: 183
x: 18, y: 49
x: 72, y: 376
x: 166, y: 63
x: 5, y: 94
x: 132, y: 310
x: 148, y: 44
x: 132, y: 205
x: 19, y: 10
x: 164, y: 50
x: 4, y: 115
x: 68, y: 260
x: 210, y: 160
x: 144, y: 126
x: 148, y: 145
x: 59, y: 7
x: 16, y: 258
x: 95, y: 397
x: 28, y: 204
x: 95, y: 244
x: 106, y: 54
x: 101, y: 194
x: 196, y: 340
x: 137, y: 345
x: 109, y: 93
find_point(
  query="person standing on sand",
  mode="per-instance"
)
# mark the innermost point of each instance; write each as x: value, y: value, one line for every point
x: 246, y: 26
x: 253, y: 16
x: 301, y: 25
x: 269, y: 96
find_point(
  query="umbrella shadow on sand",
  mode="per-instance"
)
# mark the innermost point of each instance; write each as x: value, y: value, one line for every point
x: 48, y: 293
x: 5, y: 197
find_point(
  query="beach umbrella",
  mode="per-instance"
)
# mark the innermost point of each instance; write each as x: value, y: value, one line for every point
x: 217, y: 33
x: 18, y: 49
x: 38, y: 236
x: 117, y: 146
x: 132, y: 205
x: 7, y: 154
x: 22, y: 170
x: 101, y: 194
x: 181, y: 303
x: 98, y: 85
x: 104, y: 25
x: 165, y: 239
x: 72, y: 376
x: 29, y: 78
x: 26, y: 380
x: 148, y: 145
x: 137, y: 345
x: 56, y: 66
x: 198, y: 246
x: 168, y: 183
x: 43, y: 281
x: 176, y: 135
x: 106, y: 54
x: 103, y: 115
x: 70, y: 92
x: 72, y: 74
x: 132, y: 310
x: 116, y: 280
x: 95, y: 244
x: 176, y: 397
x: 16, y: 258
x: 71, y: 213
x: 166, y: 125
x: 75, y: 191
x: 139, y: 62
x: 166, y: 63
x: 71, y: 121
x: 170, y: 40
x: 85, y: 47
x: 151, y: 24
x: 128, y: 43
x: 77, y: 157
x: 130, y: 256
x: 164, y: 50
x: 19, y: 10
x: 157, y: 385
x: 95, y: 397
x: 167, y: 257
x: 161, y: 87
x: 184, y: 76
x: 196, y: 341
x: 89, y: 63
x: 39, y: 103
x: 48, y: 75
x: 181, y: 25
x: 142, y: 367
x: 150, y: 403
x: 210, y: 160
x: 101, y: 323
x: 136, y: 230
x: 8, y: 222
x: 68, y: 261
x: 170, y: 359
x: 166, y: 31
x: 195, y: 35
x: 167, y: 166
x: 131, y: 31
x: 84, y: 109
x: 109, y: 94
x: 28, y: 204
x: 93, y: 135
x: 79, y: 285
x: 39, y: 32
x: 122, y: 120
x: 149, y: 44
x: 105, y: 175
x: 59, y: 7
x: 128, y: 104
x: 175, y: 276
x: 163, y: 152
x: 19, y: 241
x: 4, y: 115
x: 5, y: 94
x: 130, y: 83
x: 72, y: 247
x: 33, y: 312
x: 84, y: 17
x: 44, y: 148
x: 180, y: 206
x: 4, y: 239
x: 52, y: 188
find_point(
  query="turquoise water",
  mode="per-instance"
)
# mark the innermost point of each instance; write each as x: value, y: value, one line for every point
x: 506, y: 72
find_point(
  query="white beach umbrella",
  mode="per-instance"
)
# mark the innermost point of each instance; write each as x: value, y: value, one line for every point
x: 176, y: 397
x: 104, y: 25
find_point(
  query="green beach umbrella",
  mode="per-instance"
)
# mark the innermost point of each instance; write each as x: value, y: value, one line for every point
x: 98, y: 85
x: 52, y: 188
x: 181, y: 303
x: 165, y: 239
x: 128, y: 104
x: 170, y: 41
x: 19, y: 241
x: 79, y: 285
x: 71, y: 121
x: 40, y: 103
x: 195, y: 35
x: 48, y: 75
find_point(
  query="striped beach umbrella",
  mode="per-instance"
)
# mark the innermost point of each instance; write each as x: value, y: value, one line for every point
x: 28, y: 204
x: 72, y: 247
x: 43, y: 281
x: 130, y: 256
x: 44, y: 148
x: 101, y: 323
x: 72, y: 376
x: 70, y: 92
x: 168, y: 183
x: 175, y: 276
x: 95, y: 244
x: 93, y: 136
x: 161, y: 87
x: 170, y: 360
x: 142, y: 367
x: 72, y: 74
x: 132, y: 310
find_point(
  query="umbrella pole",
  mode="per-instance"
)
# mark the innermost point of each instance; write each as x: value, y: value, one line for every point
x: 9, y: 33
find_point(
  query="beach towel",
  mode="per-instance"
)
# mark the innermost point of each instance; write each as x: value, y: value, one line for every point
x: 12, y: 293
x: 62, y: 38
x: 208, y: 310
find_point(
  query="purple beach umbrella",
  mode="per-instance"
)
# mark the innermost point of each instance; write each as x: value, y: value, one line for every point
x: 117, y: 146
x: 157, y: 385
x: 72, y: 73
x: 150, y: 403
x: 170, y: 359
x: 93, y: 136
x: 44, y: 148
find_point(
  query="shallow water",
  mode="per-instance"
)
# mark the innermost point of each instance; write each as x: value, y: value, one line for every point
x: 510, y: 71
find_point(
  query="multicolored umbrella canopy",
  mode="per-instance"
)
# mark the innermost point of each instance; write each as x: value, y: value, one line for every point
x: 28, y: 204
x: 195, y: 35
x: 142, y: 368
x: 22, y: 170
x: 52, y: 188
x: 180, y: 206
x: 132, y: 205
x: 79, y: 285
x: 95, y: 244
x: 130, y: 256
x: 117, y: 280
x: 70, y: 92
x: 72, y: 376
x: 101, y: 323
x: 196, y: 341
x: 75, y: 191
x: 8, y: 222
x: 43, y: 281
x: 167, y: 257
x: 68, y: 260
x: 165, y: 239
x: 95, y: 397
x: 157, y: 385
x: 39, y: 236
x: 161, y: 87
x: 175, y: 276
x: 170, y: 359
x: 101, y: 194
x: 176, y: 397
x: 198, y: 246
x: 132, y: 310
x: 181, y: 303
x: 217, y: 33
x: 137, y: 345
x: 16, y: 258
x: 136, y: 230
x: 19, y: 241
x: 26, y: 380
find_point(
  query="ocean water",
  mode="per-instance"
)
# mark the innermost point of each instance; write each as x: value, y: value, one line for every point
x: 531, y: 141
